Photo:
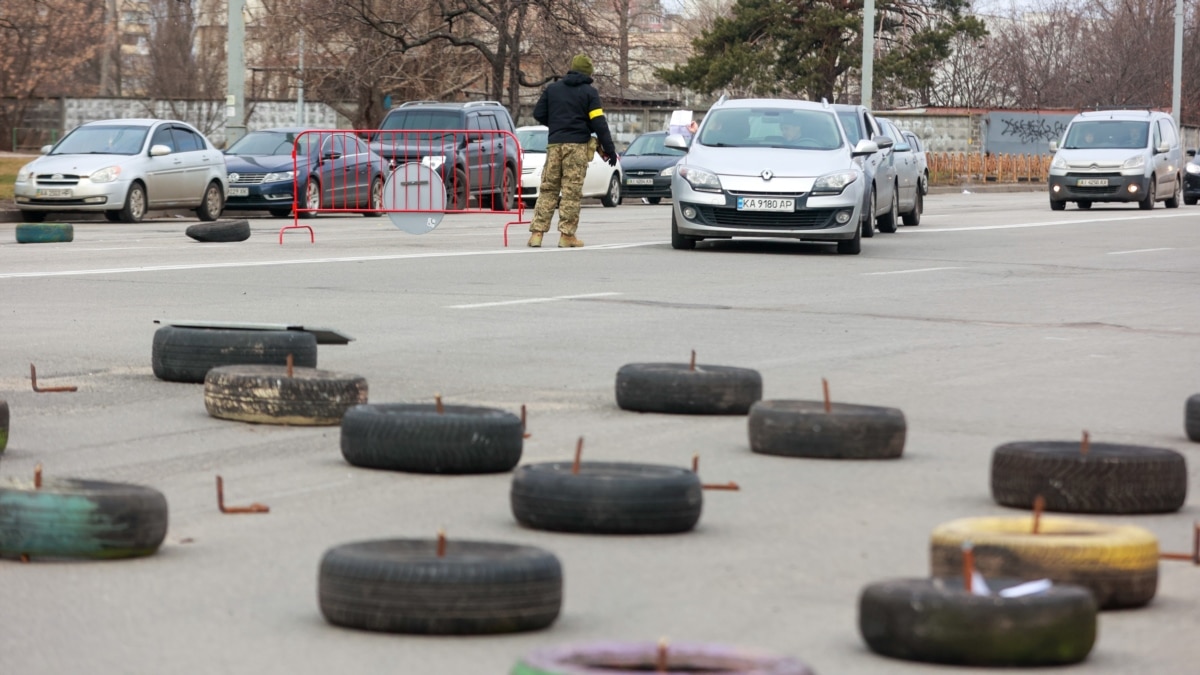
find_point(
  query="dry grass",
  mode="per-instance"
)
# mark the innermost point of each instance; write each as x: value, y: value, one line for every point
x: 9, y: 164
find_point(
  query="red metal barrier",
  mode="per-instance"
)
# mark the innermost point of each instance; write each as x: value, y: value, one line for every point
x: 355, y: 171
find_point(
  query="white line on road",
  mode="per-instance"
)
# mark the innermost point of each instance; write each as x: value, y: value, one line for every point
x: 1140, y: 250
x: 1048, y: 223
x: 923, y: 269
x: 528, y: 301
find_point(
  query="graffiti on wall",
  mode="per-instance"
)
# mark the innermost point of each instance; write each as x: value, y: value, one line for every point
x: 1024, y: 133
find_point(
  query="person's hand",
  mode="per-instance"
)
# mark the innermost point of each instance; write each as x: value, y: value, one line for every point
x: 612, y: 160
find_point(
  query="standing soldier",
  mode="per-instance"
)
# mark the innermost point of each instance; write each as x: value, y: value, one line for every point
x: 571, y: 109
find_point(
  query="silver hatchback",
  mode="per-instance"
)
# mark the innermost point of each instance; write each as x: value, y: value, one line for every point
x: 769, y: 168
x: 124, y: 168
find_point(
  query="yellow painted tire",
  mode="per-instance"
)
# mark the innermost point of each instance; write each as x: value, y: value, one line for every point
x: 1118, y: 563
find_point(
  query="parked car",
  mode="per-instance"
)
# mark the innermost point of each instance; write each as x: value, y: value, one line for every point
x: 879, y: 202
x: 332, y: 169
x: 601, y: 180
x: 738, y: 179
x: 1117, y: 156
x: 918, y: 146
x: 649, y: 165
x: 471, y: 145
x: 1191, y: 179
x: 124, y: 168
x: 909, y: 200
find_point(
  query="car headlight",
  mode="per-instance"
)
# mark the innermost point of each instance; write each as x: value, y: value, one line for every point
x: 433, y: 162
x: 833, y: 183
x: 699, y: 179
x: 278, y: 176
x: 26, y: 171
x: 1058, y: 163
x: 669, y: 171
x: 1135, y: 162
x: 106, y: 175
x: 1191, y: 168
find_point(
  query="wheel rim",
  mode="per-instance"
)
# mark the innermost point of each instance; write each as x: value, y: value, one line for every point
x: 213, y: 200
x: 137, y: 203
x: 312, y: 196
x: 614, y: 189
x: 377, y: 195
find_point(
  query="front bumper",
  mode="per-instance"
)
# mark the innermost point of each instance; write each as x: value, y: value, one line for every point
x: 1117, y: 188
x: 82, y: 195
x: 716, y: 215
x: 634, y: 186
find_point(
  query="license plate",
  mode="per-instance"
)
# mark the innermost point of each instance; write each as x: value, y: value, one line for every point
x: 1092, y: 182
x: 239, y: 192
x: 765, y: 204
x: 54, y: 193
x: 639, y: 181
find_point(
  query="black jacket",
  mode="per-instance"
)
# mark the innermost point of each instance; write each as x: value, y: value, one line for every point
x: 571, y: 109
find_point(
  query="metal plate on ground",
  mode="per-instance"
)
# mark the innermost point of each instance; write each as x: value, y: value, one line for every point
x: 415, y: 198
x: 325, y: 336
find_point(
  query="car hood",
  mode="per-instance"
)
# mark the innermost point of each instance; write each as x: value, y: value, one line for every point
x: 780, y: 162
x: 80, y: 164
x: 648, y: 162
x: 262, y: 163
x: 1101, y: 157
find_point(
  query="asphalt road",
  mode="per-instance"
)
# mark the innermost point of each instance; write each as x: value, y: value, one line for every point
x: 994, y: 320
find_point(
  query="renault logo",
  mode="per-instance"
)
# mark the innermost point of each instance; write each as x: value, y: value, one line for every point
x: 767, y: 174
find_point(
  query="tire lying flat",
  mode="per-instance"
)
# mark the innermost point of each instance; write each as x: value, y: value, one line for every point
x: 1110, y: 478
x: 45, y: 233
x: 607, y: 658
x: 267, y: 395
x: 187, y: 354
x: 606, y: 498
x: 416, y: 438
x: 679, y: 389
x: 71, y: 518
x: 402, y: 586
x: 938, y: 621
x: 220, y: 231
x: 1118, y: 563
x: 804, y: 429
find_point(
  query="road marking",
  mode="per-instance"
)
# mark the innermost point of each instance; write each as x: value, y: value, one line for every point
x: 923, y: 269
x: 1048, y: 223
x: 308, y: 261
x: 528, y: 301
x: 1139, y: 250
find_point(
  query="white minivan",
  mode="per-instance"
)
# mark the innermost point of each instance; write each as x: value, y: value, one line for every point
x: 1117, y: 156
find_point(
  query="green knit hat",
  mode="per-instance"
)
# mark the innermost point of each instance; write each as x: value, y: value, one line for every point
x: 582, y: 64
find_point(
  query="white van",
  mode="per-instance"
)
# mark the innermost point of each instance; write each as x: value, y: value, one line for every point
x: 1117, y: 156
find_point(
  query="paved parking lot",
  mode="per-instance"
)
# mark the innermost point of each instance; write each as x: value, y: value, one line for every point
x: 994, y: 320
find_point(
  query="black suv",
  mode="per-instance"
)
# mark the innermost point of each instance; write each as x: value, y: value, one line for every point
x: 463, y: 143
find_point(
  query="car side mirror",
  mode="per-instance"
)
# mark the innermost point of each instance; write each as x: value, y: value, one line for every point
x: 902, y: 147
x: 1053, y: 146
x: 865, y: 147
x: 882, y: 142
x: 676, y: 141
x: 46, y: 149
x: 1191, y: 153
x: 159, y: 150
x: 1163, y: 148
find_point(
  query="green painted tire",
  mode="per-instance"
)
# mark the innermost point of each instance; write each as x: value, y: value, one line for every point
x: 44, y: 233
x: 71, y: 518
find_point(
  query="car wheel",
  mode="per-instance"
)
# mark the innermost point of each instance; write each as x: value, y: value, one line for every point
x: 112, y: 216
x: 913, y: 218
x: 376, y: 198
x: 281, y: 213
x: 1190, y: 201
x: 678, y: 241
x: 457, y: 197
x: 1084, y: 204
x: 612, y: 196
x: 891, y: 219
x: 654, y: 200
x: 1173, y: 201
x: 312, y: 198
x: 851, y: 246
x: 213, y: 204
x: 924, y: 183
x: 1056, y: 205
x: 1148, y: 203
x: 135, y: 204
x: 502, y: 200
x: 33, y: 216
x: 868, y: 220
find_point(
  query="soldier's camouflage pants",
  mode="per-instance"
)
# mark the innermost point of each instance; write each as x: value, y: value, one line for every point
x: 566, y: 163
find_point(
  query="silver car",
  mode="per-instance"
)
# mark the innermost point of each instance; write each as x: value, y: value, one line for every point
x: 910, y: 201
x: 769, y: 168
x: 124, y: 168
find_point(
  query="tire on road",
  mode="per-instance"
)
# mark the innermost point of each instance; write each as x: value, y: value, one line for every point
x: 267, y: 395
x: 69, y: 518
x: 45, y: 233
x: 804, y: 429
x: 403, y: 586
x: 606, y: 498
x: 678, y: 388
x: 417, y: 438
x: 187, y: 354
x: 4, y: 418
x: 1111, y: 478
x: 219, y: 231
x: 609, y: 658
x: 1191, y: 417
x: 1118, y: 563
x: 938, y: 621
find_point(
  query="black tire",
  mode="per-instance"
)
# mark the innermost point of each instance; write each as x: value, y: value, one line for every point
x: 268, y: 395
x: 925, y: 183
x: 33, y: 216
x: 868, y: 220
x: 220, y: 231
x: 212, y: 204
x: 4, y: 419
x: 45, y: 233
x: 135, y: 204
x: 938, y: 621
x: 804, y: 429
x: 280, y: 213
x: 913, y: 218
x: 1056, y: 205
x: 375, y: 200
x: 69, y: 518
x: 680, y: 242
x: 1172, y: 202
x: 1110, y: 478
x: 606, y: 498
x: 851, y: 246
x: 112, y: 216
x: 458, y: 197
x: 1151, y: 195
x: 1084, y: 204
x: 402, y: 586
x: 607, y: 658
x: 678, y: 389
x: 186, y: 354
x: 654, y: 200
x: 889, y: 222
x: 416, y: 438
x: 1190, y: 201
x: 530, y: 203
x: 1191, y: 417
x: 503, y: 200
x: 612, y: 196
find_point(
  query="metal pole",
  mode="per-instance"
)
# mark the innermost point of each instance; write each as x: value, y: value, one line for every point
x: 235, y: 99
x: 300, y: 89
x: 1177, y: 65
x: 868, y: 53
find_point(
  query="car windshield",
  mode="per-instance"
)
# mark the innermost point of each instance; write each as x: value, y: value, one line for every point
x: 652, y: 144
x: 102, y: 140
x: 1127, y: 134
x: 533, y: 140
x: 266, y: 143
x: 771, y: 128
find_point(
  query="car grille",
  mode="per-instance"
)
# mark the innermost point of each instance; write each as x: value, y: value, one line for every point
x: 247, y: 178
x: 56, y: 179
x: 641, y: 174
x: 813, y: 219
x: 1096, y: 191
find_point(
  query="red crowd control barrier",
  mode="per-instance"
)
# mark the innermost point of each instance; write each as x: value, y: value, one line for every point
x: 412, y: 176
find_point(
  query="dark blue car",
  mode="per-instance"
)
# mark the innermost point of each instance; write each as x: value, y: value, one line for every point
x: 336, y: 171
x: 648, y: 165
